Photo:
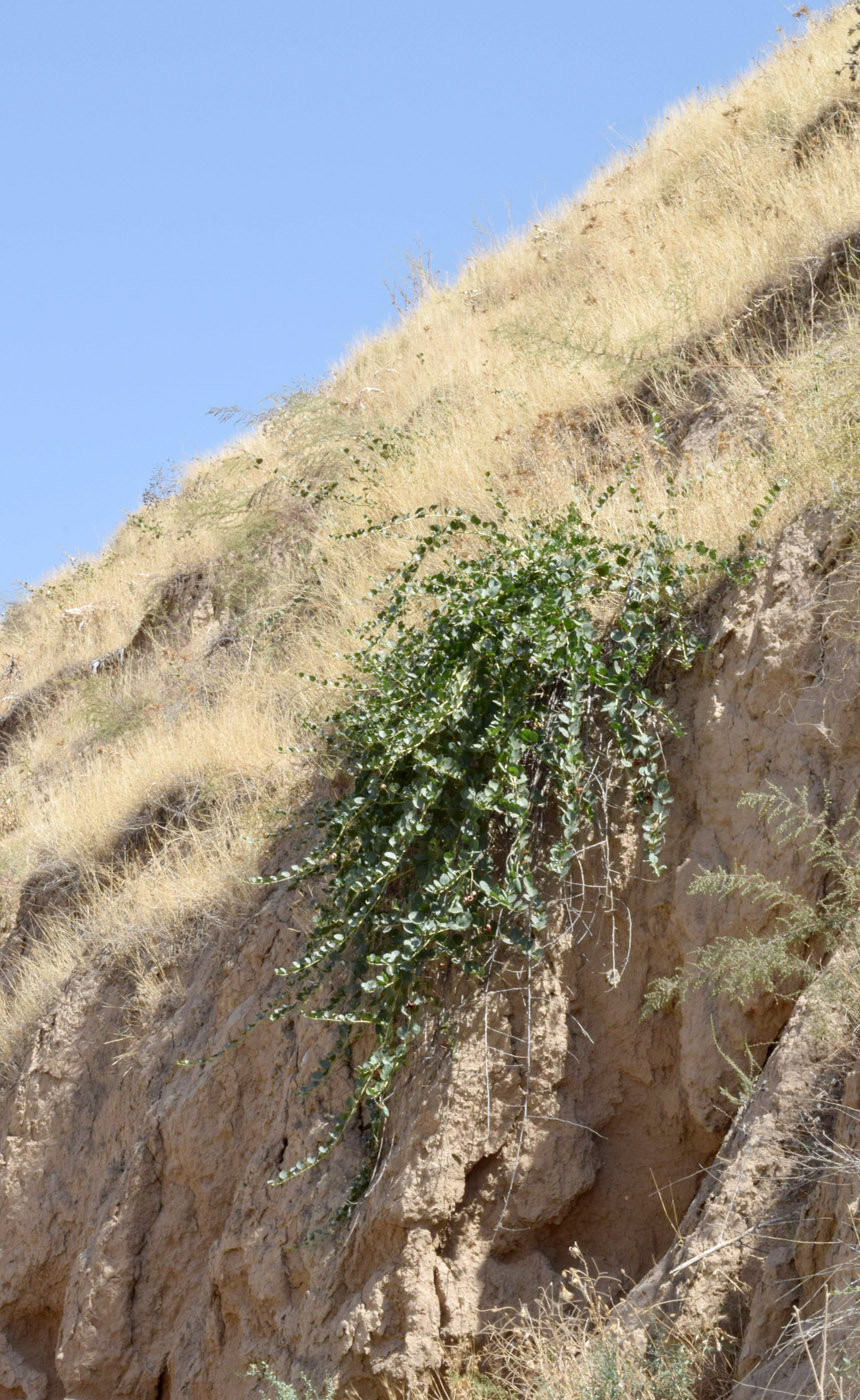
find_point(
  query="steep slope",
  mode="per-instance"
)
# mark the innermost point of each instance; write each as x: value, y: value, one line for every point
x: 697, y: 309
x: 141, y: 1245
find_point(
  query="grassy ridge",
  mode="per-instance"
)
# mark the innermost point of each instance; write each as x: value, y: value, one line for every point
x: 696, y: 304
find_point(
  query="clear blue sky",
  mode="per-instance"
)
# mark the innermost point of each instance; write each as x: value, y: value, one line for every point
x: 203, y: 201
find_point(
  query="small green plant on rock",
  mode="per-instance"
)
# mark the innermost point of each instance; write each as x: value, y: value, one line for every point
x: 276, y: 1389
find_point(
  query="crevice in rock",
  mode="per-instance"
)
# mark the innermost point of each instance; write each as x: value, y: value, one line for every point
x: 31, y: 1347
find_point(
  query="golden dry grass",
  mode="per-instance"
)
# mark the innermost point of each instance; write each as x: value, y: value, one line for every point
x: 572, y: 1346
x: 534, y: 371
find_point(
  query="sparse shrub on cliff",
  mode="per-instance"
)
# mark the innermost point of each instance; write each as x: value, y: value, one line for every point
x: 499, y: 719
x: 112, y: 710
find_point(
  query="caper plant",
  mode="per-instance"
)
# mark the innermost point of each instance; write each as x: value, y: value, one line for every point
x: 504, y: 684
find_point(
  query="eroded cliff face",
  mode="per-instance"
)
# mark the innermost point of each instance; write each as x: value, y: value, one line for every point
x: 764, y: 1267
x: 143, y: 1254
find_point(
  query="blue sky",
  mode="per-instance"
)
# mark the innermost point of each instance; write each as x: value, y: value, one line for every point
x: 204, y: 201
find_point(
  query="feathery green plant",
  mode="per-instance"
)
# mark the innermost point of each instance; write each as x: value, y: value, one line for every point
x: 803, y: 931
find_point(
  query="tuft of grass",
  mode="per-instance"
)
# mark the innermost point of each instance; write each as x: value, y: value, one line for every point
x: 574, y: 1347
x: 823, y: 1331
x: 110, y: 711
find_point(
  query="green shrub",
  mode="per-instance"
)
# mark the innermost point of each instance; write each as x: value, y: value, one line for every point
x: 499, y: 715
x: 276, y: 1389
x: 852, y: 61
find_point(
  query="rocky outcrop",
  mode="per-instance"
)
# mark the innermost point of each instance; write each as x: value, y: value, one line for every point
x: 145, y: 1257
x: 764, y: 1253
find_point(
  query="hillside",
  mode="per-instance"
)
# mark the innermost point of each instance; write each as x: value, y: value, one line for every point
x: 688, y: 326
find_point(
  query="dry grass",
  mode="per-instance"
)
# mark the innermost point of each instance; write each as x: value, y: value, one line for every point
x: 573, y: 1347
x: 539, y: 368
x: 145, y: 918
x: 576, y: 1345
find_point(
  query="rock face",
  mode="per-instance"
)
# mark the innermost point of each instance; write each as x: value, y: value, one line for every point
x: 145, y: 1257
x: 767, y: 1247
